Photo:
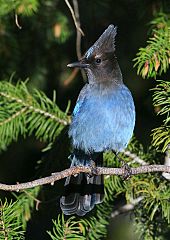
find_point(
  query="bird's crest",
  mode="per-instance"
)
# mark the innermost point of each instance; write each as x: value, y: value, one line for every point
x: 105, y: 43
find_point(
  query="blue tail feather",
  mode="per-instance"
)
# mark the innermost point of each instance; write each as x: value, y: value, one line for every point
x: 82, y: 192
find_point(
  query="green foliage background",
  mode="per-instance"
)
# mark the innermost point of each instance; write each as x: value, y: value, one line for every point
x: 35, y: 114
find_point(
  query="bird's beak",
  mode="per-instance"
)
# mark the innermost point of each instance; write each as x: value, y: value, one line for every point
x: 79, y: 64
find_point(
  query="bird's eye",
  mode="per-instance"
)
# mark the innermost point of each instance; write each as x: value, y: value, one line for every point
x: 98, y: 60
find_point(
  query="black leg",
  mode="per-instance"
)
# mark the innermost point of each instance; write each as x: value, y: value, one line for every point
x: 93, y: 166
x: 127, y: 170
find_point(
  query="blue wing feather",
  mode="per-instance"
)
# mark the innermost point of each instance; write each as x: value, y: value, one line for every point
x: 80, y: 101
x: 77, y: 107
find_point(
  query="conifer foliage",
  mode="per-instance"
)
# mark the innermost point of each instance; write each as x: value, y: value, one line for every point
x: 24, y: 113
x: 154, y: 59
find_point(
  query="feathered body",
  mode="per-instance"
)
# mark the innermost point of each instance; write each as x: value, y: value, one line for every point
x: 103, y: 119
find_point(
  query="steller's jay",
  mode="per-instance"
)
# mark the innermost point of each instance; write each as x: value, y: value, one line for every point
x: 103, y: 119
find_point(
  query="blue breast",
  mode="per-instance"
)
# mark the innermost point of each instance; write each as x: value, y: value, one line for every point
x: 103, y: 120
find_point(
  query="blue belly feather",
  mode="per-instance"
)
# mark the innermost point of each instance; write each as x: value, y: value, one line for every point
x: 103, y: 122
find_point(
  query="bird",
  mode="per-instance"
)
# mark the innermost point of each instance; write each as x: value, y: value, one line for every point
x: 103, y: 120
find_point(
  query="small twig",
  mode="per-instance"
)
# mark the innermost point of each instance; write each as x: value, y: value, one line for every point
x: 15, y: 115
x: 167, y: 163
x: 127, y: 207
x: 35, y: 199
x: 34, y: 109
x: 71, y: 77
x: 74, y: 18
x: 76, y: 170
x: 3, y: 228
x: 16, y: 21
x: 78, y: 38
x: 135, y: 158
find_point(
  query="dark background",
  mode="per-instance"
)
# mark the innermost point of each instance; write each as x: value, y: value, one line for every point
x: 36, y: 53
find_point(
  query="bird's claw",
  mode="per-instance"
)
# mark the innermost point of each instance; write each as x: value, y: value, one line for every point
x: 92, y: 165
x: 127, y: 171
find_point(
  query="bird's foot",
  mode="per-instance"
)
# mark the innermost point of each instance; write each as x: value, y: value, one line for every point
x: 127, y: 171
x: 93, y: 169
x: 92, y: 165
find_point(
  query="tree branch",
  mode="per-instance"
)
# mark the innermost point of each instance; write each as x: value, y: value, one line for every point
x: 71, y: 77
x: 135, y: 158
x: 74, y: 17
x: 15, y: 115
x: 16, y: 21
x: 78, y: 35
x: 32, y: 108
x: 91, y: 170
x: 78, y: 38
x: 167, y: 163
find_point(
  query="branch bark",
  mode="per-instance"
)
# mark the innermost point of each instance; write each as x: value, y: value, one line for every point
x: 76, y: 170
x: 74, y: 17
x: 78, y: 38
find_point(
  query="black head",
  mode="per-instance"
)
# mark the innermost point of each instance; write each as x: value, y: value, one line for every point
x: 99, y: 61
